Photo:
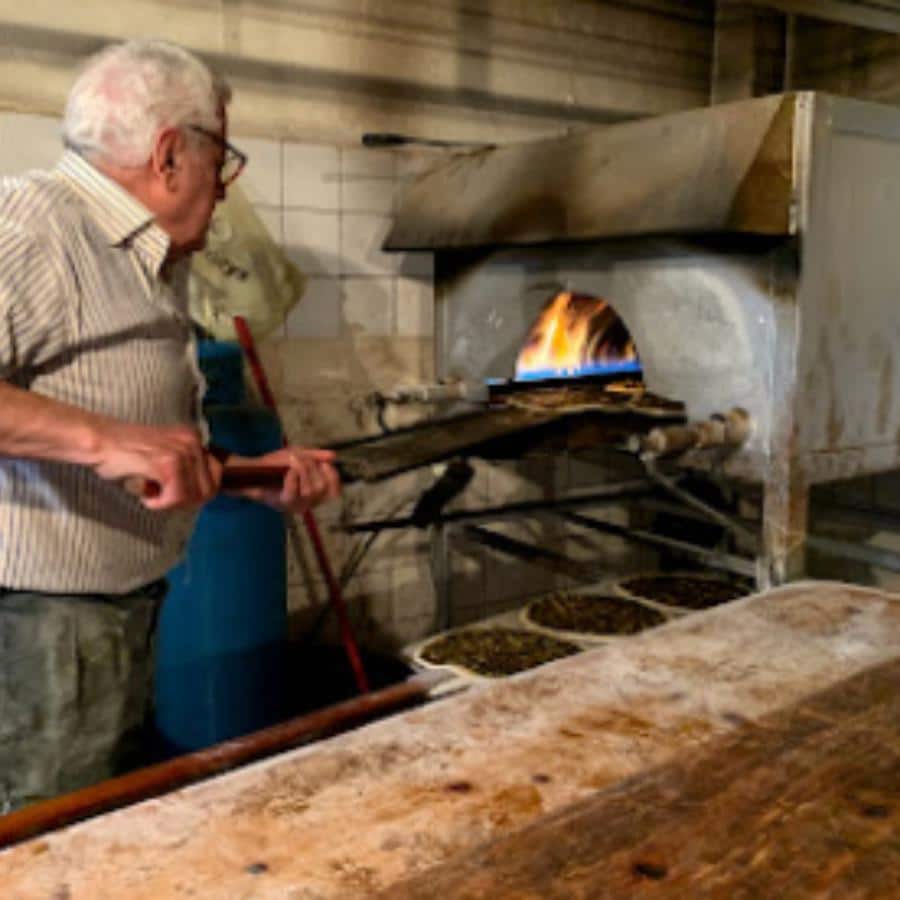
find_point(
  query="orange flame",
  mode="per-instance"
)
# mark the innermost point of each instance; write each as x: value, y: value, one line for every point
x: 575, y: 332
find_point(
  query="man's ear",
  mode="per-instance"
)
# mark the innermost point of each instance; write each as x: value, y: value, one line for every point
x: 166, y: 155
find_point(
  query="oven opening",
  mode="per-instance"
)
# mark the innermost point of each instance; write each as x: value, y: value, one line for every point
x: 577, y: 336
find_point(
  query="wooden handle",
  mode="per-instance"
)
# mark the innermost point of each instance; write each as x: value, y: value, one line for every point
x: 250, y: 476
x: 233, y: 478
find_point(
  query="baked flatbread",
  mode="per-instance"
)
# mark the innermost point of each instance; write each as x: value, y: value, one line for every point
x: 684, y: 591
x: 593, y: 614
x: 569, y: 399
x: 618, y: 397
x: 495, y: 652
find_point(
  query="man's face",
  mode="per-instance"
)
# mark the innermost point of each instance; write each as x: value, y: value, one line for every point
x: 189, y: 182
x: 199, y: 188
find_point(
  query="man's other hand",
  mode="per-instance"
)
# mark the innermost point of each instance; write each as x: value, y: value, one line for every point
x: 169, y: 463
x: 311, y: 479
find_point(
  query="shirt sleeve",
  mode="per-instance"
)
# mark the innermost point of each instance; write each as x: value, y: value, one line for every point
x: 32, y: 306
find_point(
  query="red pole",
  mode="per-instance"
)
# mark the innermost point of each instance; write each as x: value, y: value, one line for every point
x: 312, y: 528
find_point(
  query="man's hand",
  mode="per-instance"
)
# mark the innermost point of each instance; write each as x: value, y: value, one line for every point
x: 170, y: 461
x: 311, y: 479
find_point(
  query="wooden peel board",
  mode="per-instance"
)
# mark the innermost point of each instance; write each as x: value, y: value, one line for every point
x: 614, y: 417
x: 409, y: 448
x: 364, y: 813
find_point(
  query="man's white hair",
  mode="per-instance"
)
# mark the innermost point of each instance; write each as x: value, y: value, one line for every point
x: 127, y: 92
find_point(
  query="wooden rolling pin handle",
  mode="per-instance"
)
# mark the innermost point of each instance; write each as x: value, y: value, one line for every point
x: 672, y: 439
x: 249, y: 476
x: 730, y: 430
x: 738, y: 426
x: 233, y: 478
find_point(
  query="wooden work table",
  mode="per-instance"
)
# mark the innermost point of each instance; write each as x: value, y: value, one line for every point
x: 752, y: 750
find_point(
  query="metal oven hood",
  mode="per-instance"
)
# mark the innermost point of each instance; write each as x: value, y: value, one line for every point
x: 727, y: 168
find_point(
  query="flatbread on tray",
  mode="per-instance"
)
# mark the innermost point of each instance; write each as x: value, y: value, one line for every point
x: 683, y: 591
x: 586, y: 615
x: 568, y: 399
x: 618, y: 397
x: 493, y: 652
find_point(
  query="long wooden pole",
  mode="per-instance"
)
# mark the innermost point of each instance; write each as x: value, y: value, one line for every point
x: 152, y: 781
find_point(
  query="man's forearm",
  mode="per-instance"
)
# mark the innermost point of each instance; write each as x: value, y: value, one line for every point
x: 172, y: 457
x: 36, y: 427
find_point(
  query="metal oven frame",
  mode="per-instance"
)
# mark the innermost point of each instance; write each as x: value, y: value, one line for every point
x: 750, y: 249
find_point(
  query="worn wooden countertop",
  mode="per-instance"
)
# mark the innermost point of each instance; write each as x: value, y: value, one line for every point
x: 803, y: 803
x: 414, y: 802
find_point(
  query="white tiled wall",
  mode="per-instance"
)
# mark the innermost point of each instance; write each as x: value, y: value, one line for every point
x: 311, y: 177
x: 262, y: 180
x: 360, y: 311
x: 319, y: 315
x: 28, y: 142
x: 312, y: 238
x: 336, y: 206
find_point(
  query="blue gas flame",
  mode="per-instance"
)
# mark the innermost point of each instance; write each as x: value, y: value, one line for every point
x: 622, y: 367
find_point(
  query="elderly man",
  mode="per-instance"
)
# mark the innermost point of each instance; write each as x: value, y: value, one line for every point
x: 99, y: 386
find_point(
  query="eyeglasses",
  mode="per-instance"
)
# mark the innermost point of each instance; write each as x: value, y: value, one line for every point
x: 233, y: 161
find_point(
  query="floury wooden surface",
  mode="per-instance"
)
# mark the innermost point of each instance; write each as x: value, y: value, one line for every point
x: 803, y: 803
x: 359, y: 814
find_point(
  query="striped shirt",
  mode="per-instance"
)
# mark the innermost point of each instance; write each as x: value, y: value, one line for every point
x: 89, y: 316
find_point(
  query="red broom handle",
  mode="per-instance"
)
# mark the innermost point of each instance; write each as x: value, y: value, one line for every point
x: 309, y: 520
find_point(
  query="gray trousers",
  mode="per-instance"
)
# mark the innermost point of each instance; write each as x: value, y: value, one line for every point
x: 76, y: 682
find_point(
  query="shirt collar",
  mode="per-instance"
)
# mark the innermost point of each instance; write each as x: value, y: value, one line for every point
x: 119, y: 215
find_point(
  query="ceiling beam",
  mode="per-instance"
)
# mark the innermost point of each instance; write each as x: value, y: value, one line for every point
x: 878, y: 15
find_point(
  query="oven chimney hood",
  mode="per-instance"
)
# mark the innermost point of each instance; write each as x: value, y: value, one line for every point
x: 729, y: 168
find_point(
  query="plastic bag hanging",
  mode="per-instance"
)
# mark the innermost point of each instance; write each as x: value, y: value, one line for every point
x: 242, y: 271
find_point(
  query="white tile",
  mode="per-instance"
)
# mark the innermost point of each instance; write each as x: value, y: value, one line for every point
x: 468, y: 578
x: 261, y: 179
x: 311, y: 240
x: 318, y: 312
x: 311, y: 176
x: 361, y: 238
x: 409, y: 631
x: 367, y: 181
x: 363, y: 193
x: 270, y: 216
x: 28, y: 142
x: 413, y: 592
x: 369, y: 305
x: 381, y: 610
x: 368, y: 584
x: 373, y: 163
x: 418, y: 265
x: 415, y: 308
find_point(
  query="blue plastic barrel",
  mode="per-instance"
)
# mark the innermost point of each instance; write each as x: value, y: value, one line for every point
x: 221, y: 650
